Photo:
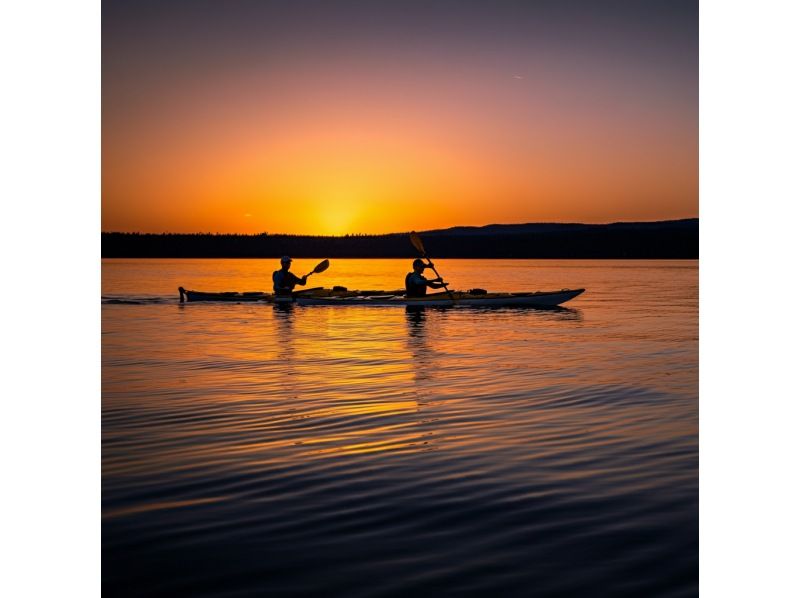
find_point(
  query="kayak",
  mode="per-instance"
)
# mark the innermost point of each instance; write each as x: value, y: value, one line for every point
x: 236, y: 297
x: 343, y: 298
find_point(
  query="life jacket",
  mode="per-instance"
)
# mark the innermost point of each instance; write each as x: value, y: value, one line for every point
x: 283, y: 280
x: 414, y: 288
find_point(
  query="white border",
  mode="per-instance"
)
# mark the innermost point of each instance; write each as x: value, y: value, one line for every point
x: 749, y: 173
x: 50, y: 189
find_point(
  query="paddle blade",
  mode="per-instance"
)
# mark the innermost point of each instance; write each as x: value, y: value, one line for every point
x: 417, y: 242
x: 322, y: 266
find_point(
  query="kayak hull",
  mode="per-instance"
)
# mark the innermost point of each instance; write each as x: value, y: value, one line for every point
x: 326, y: 297
x: 542, y: 299
x: 233, y: 297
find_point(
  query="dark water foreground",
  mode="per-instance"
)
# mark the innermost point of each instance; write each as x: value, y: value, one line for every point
x: 252, y: 450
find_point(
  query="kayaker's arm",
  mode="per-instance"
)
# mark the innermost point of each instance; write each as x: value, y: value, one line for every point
x: 436, y: 283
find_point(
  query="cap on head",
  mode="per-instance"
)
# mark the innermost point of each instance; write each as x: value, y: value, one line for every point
x: 286, y: 259
x: 418, y: 263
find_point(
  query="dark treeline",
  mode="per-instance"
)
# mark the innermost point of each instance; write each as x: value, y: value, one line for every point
x: 677, y: 239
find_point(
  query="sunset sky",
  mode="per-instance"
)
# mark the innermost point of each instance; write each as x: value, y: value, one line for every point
x: 341, y: 117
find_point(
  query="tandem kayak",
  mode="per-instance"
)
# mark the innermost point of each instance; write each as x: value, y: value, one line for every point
x: 333, y: 297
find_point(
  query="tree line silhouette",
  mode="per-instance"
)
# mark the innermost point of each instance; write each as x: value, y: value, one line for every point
x: 676, y: 239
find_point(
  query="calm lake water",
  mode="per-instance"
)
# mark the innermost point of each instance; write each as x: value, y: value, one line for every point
x: 372, y: 451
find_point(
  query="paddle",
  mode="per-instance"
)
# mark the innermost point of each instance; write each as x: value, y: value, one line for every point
x: 319, y: 268
x: 417, y: 243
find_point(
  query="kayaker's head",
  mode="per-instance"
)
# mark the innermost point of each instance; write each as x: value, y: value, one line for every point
x: 418, y: 266
x: 286, y: 262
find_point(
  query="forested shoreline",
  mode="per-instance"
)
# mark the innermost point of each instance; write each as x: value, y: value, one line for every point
x: 677, y: 239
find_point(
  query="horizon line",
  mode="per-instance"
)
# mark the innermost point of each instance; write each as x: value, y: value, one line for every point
x: 474, y: 226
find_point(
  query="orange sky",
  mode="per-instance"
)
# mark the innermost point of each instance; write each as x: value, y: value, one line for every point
x: 373, y: 134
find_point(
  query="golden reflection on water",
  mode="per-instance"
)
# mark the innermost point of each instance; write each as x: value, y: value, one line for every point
x: 255, y: 385
x: 363, y: 370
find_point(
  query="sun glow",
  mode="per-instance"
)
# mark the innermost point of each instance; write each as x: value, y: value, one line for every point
x: 336, y: 213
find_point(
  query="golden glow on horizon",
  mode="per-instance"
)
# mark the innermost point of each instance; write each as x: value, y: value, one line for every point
x: 364, y: 158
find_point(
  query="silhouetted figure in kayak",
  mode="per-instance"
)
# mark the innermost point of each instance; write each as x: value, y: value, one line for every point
x: 283, y: 281
x: 416, y: 284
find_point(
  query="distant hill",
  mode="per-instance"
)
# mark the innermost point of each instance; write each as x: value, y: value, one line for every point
x: 671, y: 239
x: 550, y: 227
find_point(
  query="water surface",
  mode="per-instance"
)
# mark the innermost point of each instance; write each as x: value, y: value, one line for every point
x: 375, y: 451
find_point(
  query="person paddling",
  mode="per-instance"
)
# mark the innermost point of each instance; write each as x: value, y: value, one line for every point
x: 416, y: 284
x: 283, y: 281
